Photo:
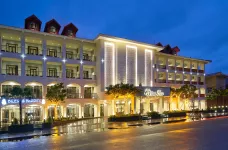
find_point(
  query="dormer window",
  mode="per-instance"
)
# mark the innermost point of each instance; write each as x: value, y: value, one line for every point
x: 70, y: 33
x: 32, y: 25
x: 52, y: 29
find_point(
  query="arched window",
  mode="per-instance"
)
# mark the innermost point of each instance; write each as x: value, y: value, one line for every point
x: 69, y: 33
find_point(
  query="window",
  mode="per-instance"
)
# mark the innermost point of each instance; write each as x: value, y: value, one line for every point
x: 6, y: 89
x: 86, y: 57
x: 52, y: 72
x: 32, y: 25
x: 52, y: 52
x: 37, y: 91
x: 11, y: 69
x: 33, y: 71
x: 86, y: 74
x: 69, y: 33
x: 52, y: 29
x: 33, y: 50
x: 69, y: 54
x: 11, y: 48
x: 69, y: 73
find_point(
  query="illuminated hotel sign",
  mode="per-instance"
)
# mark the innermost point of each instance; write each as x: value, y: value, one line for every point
x: 148, y: 92
x: 154, y: 91
x: 25, y: 101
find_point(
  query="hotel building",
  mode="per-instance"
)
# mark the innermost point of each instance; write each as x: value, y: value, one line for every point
x: 38, y: 59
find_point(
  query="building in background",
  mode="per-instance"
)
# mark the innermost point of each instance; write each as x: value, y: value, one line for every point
x: 216, y: 80
x: 38, y: 59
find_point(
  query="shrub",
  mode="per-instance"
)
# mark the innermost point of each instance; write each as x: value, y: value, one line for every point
x: 124, y: 118
x: 26, y: 121
x: 50, y: 120
x: 174, y: 113
x: 154, y: 115
x: 15, y: 121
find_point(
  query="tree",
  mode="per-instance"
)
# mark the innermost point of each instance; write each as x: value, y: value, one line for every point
x: 124, y: 90
x: 215, y: 93
x: 20, y: 93
x: 188, y: 92
x: 56, y: 94
x: 176, y: 92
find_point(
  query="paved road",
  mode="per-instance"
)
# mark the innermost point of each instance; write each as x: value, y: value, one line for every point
x: 209, y: 135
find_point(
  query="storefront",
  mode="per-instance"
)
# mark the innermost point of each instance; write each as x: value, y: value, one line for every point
x: 31, y: 108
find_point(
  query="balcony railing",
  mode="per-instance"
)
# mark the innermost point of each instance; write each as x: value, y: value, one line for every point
x: 186, y: 82
x: 90, y: 95
x: 38, y: 52
x: 89, y: 76
x: 194, y: 70
x: 186, y: 69
x: 9, y: 49
x: 89, y: 58
x: 179, y: 82
x: 162, y: 66
x: 179, y: 68
x: 72, y: 56
x: 201, y: 71
x: 54, y: 74
x: 171, y: 67
x: 72, y: 75
x: 54, y: 54
x: 160, y: 80
x: 73, y: 95
x: 35, y: 73
x: 15, y: 72
x: 194, y: 82
x: 201, y: 83
x: 171, y: 81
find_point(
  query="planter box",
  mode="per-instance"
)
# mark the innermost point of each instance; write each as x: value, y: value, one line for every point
x: 124, y: 119
x: 46, y: 125
x: 20, y: 128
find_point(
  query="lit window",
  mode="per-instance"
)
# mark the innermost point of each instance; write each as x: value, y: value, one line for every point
x: 52, y: 29
x: 69, y: 33
x: 32, y: 25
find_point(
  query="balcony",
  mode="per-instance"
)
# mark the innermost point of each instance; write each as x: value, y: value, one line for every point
x: 201, y: 71
x: 160, y: 80
x: 34, y: 73
x: 90, y: 95
x: 179, y: 82
x: 171, y: 81
x: 54, y: 74
x: 186, y: 69
x: 171, y: 67
x: 194, y: 82
x: 201, y: 83
x: 186, y: 82
x: 71, y: 55
x: 72, y: 75
x: 194, y: 70
x: 31, y: 50
x: 11, y: 48
x: 13, y: 72
x: 54, y: 53
x: 73, y: 95
x: 89, y: 76
x: 162, y: 66
x: 179, y: 68
x: 89, y: 58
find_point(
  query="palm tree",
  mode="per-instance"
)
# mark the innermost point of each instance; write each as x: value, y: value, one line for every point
x: 20, y: 93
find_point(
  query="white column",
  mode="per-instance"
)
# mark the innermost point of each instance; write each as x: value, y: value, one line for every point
x: 175, y: 65
x: 81, y: 59
x: 182, y: 72
x: 82, y: 110
x: 82, y: 91
x: 63, y: 63
x: 44, y: 52
x: 106, y: 109
x: 22, y: 54
x: 64, y: 111
x: 167, y: 68
x: 190, y: 72
x: 95, y: 110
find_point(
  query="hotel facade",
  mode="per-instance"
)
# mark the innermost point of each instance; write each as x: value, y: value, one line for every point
x: 38, y: 59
